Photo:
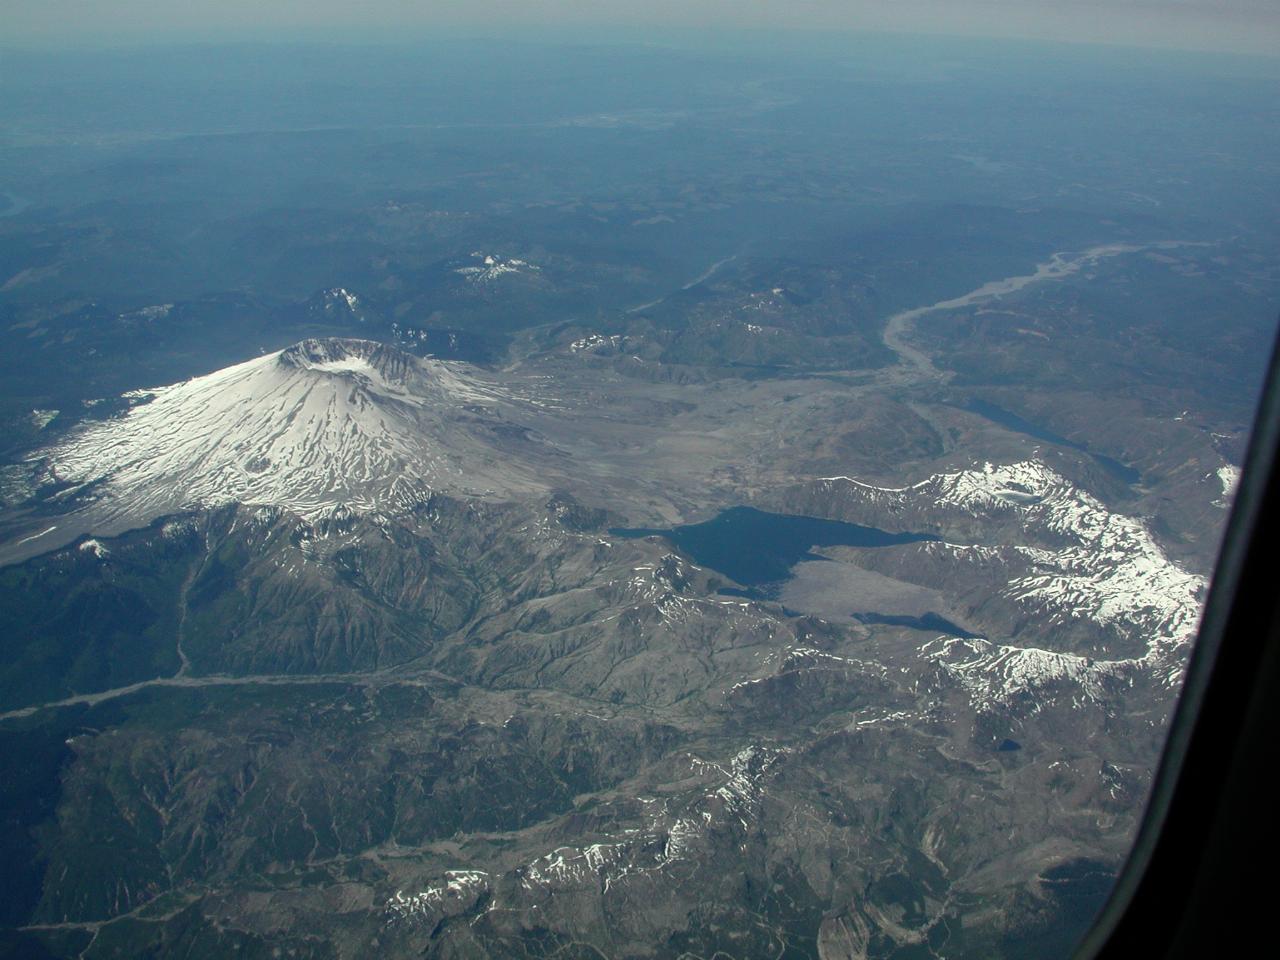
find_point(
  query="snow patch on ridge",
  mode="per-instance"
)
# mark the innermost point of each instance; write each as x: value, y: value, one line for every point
x: 95, y: 548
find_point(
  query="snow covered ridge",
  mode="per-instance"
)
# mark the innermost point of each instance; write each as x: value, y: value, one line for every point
x: 340, y: 298
x: 319, y: 424
x: 345, y: 296
x: 595, y: 342
x: 1109, y: 570
x: 338, y: 304
x: 995, y: 674
x: 459, y: 889
x: 671, y: 831
x: 1229, y: 477
x: 492, y: 268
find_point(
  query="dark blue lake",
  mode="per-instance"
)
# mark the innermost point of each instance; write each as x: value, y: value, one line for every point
x: 1011, y: 421
x: 755, y: 547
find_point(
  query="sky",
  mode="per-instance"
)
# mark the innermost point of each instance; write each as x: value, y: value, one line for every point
x: 1245, y: 26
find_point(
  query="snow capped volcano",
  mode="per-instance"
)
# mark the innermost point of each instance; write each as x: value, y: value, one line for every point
x: 320, y: 424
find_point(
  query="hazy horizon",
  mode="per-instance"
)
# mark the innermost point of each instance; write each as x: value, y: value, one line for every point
x: 1250, y: 27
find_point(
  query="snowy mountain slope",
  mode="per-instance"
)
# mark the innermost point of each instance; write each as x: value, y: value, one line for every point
x: 1053, y: 553
x: 322, y: 423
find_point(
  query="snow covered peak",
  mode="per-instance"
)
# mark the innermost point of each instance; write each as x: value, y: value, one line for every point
x: 323, y: 423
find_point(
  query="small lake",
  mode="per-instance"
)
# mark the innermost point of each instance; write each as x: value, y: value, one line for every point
x: 754, y: 547
x: 1011, y: 421
x: 932, y: 622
